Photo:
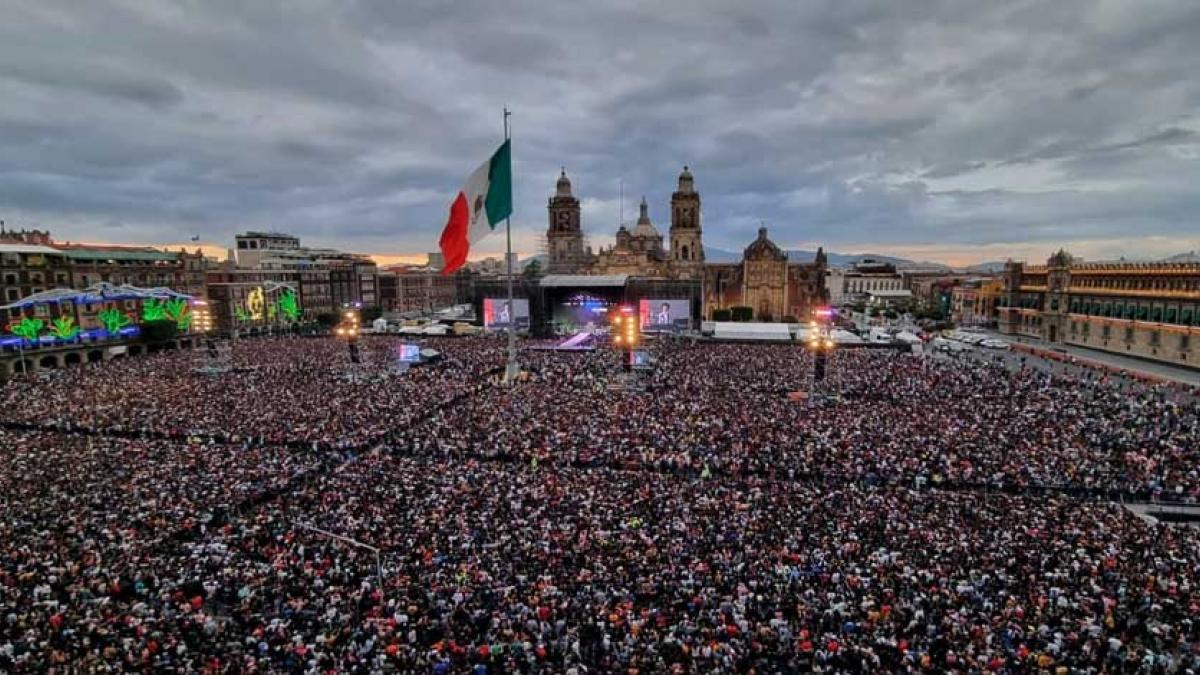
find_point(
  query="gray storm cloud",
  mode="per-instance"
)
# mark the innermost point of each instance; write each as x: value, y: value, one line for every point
x: 857, y: 125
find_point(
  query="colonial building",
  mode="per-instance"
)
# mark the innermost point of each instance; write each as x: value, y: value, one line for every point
x: 408, y: 288
x: 974, y: 302
x: 765, y: 281
x: 1148, y: 310
x: 640, y: 252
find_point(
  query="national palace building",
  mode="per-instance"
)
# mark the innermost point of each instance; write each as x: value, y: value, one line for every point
x: 1147, y: 310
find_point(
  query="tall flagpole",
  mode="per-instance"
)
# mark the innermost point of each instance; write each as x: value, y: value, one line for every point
x: 512, y: 368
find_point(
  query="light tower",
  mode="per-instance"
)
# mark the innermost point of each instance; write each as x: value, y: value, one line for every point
x: 627, y: 333
x: 348, y: 330
x: 820, y: 342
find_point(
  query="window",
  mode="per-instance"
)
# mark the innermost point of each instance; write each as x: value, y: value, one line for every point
x: 1106, y: 331
x: 1129, y: 334
x: 1185, y: 342
x: 1154, y: 338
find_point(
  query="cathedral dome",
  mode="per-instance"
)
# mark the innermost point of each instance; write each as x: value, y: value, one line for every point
x: 564, y: 184
x: 685, y: 180
x: 644, y: 227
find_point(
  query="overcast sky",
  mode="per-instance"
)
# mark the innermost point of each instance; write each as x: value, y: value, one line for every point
x: 953, y: 130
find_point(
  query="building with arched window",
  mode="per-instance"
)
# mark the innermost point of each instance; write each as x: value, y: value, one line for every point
x: 1145, y: 309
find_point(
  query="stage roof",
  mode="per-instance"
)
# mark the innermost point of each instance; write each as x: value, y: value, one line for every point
x: 584, y: 280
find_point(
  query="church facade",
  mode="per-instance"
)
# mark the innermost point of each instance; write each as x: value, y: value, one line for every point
x: 764, y: 280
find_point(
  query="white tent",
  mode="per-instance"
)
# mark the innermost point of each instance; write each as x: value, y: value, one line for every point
x: 769, y: 332
x: 379, y: 325
x: 844, y: 337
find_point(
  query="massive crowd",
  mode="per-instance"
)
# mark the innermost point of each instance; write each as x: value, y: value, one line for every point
x: 703, y: 521
x: 282, y: 390
x: 879, y: 417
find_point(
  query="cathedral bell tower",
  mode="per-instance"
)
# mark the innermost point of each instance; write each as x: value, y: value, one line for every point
x: 687, y: 248
x: 564, y: 236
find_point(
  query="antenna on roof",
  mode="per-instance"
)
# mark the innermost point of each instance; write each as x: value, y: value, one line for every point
x: 621, y: 202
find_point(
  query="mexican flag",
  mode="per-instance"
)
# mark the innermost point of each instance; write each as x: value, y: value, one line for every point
x: 478, y: 208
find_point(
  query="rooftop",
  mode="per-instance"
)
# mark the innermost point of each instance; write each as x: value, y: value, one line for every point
x: 584, y: 280
x: 28, y: 248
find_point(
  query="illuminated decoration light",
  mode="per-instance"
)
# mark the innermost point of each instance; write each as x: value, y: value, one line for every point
x: 829, y: 344
x: 114, y: 320
x: 289, y: 304
x: 255, y: 303
x: 64, y: 328
x: 27, y: 328
x: 96, y: 294
x: 154, y: 309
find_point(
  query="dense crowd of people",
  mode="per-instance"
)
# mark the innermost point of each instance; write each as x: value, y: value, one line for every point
x: 299, y: 514
x: 878, y: 416
x: 282, y: 390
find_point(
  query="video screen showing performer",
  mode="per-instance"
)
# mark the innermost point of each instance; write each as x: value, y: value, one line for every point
x: 499, y: 313
x: 665, y: 314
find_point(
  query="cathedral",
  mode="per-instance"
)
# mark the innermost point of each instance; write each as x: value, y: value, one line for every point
x: 765, y: 280
x: 639, y: 252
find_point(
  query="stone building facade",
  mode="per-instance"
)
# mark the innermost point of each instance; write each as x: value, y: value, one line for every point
x: 1147, y: 310
x: 764, y: 280
x: 767, y: 282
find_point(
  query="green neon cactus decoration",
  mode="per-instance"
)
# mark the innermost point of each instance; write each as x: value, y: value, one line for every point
x: 113, y: 320
x: 27, y: 328
x: 289, y: 304
x: 240, y: 313
x: 177, y: 310
x: 154, y: 310
x: 64, y: 328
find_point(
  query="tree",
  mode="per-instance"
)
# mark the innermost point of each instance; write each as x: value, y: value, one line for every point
x: 743, y: 313
x: 722, y: 315
x: 327, y: 319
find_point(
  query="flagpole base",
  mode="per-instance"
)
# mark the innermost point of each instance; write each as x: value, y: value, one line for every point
x: 511, y: 371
